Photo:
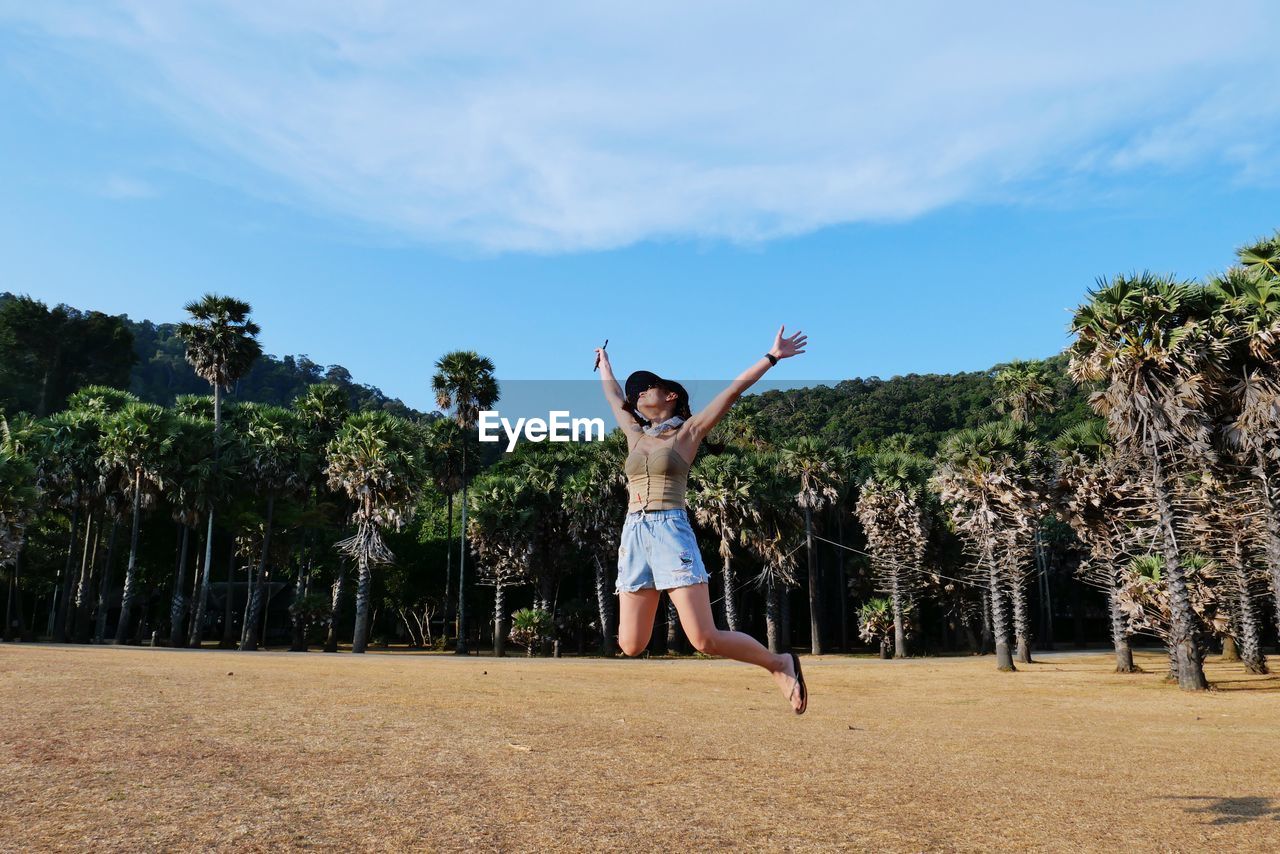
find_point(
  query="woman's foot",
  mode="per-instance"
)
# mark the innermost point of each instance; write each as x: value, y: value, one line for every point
x: 788, y: 684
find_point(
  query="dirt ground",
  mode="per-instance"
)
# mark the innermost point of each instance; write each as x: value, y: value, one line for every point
x: 136, y: 748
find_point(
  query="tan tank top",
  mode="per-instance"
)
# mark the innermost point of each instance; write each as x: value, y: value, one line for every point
x: 656, y: 480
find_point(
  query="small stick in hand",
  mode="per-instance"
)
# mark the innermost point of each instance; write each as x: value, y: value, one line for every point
x: 605, y: 347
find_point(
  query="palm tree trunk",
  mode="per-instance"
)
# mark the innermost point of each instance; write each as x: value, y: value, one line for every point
x: 93, y: 532
x: 815, y: 630
x: 1183, y: 634
x: 999, y: 624
x: 499, y: 604
x: 673, y: 628
x: 202, y: 598
x: 104, y: 584
x: 62, y: 595
x: 1250, y: 631
x: 1021, y: 613
x: 604, y: 602
x: 363, y: 582
x: 178, y: 605
x: 228, y: 628
x: 448, y: 573
x: 131, y: 573
x: 1271, y: 519
x: 988, y: 642
x: 331, y: 639
x: 844, y: 584
x: 773, y: 617
x: 730, y: 606
x: 1119, y: 635
x: 1229, y: 650
x: 299, y: 593
x: 461, y: 648
x: 250, y: 643
x: 11, y: 593
x: 899, y: 627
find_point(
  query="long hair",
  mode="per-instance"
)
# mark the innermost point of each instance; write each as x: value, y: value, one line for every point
x: 682, y: 405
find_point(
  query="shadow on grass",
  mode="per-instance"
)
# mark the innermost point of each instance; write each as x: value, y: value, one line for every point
x: 1232, y: 810
x: 1260, y: 683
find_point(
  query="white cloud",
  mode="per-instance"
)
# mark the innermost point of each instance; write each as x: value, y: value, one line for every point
x: 566, y: 126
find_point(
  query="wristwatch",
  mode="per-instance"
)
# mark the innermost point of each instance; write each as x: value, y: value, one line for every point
x: 773, y: 360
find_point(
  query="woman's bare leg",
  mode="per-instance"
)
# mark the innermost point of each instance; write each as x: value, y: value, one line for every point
x: 636, y: 611
x: 694, y: 604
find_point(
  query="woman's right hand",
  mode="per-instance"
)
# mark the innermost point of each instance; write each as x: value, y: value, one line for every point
x: 602, y: 355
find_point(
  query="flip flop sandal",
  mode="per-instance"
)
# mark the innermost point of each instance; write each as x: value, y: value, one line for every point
x: 804, y: 691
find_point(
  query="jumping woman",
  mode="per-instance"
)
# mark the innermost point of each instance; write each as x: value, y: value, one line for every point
x: 658, y: 550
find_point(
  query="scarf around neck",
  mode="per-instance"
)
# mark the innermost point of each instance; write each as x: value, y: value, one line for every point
x: 658, y: 429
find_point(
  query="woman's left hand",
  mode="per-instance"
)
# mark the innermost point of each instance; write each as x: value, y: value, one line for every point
x: 792, y: 345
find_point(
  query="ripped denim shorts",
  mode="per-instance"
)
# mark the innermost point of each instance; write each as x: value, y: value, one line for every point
x: 658, y: 550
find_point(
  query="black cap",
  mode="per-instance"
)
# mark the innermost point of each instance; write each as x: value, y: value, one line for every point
x: 641, y: 380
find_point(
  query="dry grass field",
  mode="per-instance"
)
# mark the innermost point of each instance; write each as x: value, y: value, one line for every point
x: 147, y: 749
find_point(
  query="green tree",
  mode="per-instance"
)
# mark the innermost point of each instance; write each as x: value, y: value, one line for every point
x: 374, y: 461
x: 1148, y: 340
x: 221, y: 344
x: 818, y: 467
x: 136, y: 443
x: 464, y: 384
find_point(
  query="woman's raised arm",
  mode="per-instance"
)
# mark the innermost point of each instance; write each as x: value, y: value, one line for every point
x: 613, y: 392
x: 783, y: 348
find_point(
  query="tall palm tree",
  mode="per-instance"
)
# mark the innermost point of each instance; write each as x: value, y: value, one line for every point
x: 973, y: 476
x: 1097, y: 499
x: 374, y: 460
x: 893, y: 510
x: 1149, y: 341
x: 1249, y: 312
x: 222, y: 344
x: 444, y: 453
x: 721, y: 499
x: 464, y: 384
x: 277, y: 458
x: 136, y: 442
x: 818, y: 466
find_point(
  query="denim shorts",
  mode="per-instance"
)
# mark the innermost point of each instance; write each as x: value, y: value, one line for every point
x: 658, y: 550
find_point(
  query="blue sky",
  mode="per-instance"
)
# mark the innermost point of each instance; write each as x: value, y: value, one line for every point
x: 920, y: 190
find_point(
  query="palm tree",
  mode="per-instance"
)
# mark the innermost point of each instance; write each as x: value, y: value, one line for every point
x: 1148, y: 340
x: 222, y: 344
x: 721, y: 499
x: 374, y: 460
x: 192, y: 480
x: 893, y: 510
x: 277, y: 458
x: 1023, y: 390
x: 501, y: 533
x: 877, y: 624
x: 1249, y: 312
x: 464, y: 383
x: 594, y: 501
x: 444, y: 453
x: 136, y: 442
x: 19, y: 500
x: 973, y: 476
x: 818, y: 467
x: 1096, y: 498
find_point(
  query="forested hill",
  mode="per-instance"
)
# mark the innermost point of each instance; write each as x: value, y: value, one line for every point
x: 861, y: 413
x: 45, y: 354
